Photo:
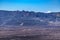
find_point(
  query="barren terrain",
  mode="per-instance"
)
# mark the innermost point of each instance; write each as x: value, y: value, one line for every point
x: 30, y: 33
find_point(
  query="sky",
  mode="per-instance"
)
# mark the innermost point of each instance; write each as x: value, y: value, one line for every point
x: 31, y: 5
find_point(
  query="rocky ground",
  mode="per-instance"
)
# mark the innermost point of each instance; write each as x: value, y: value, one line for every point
x: 30, y: 34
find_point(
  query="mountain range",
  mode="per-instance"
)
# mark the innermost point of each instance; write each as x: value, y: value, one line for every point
x: 29, y: 18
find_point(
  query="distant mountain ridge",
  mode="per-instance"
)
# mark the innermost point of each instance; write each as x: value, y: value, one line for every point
x: 28, y: 18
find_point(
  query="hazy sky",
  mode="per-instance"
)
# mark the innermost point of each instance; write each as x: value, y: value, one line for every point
x: 30, y: 5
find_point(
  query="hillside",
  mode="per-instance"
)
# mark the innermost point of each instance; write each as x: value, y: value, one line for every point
x: 29, y: 25
x: 29, y: 18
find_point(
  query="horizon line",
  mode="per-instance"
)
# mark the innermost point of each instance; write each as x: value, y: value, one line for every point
x: 31, y: 11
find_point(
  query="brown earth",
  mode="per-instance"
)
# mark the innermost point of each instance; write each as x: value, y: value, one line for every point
x: 30, y: 34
